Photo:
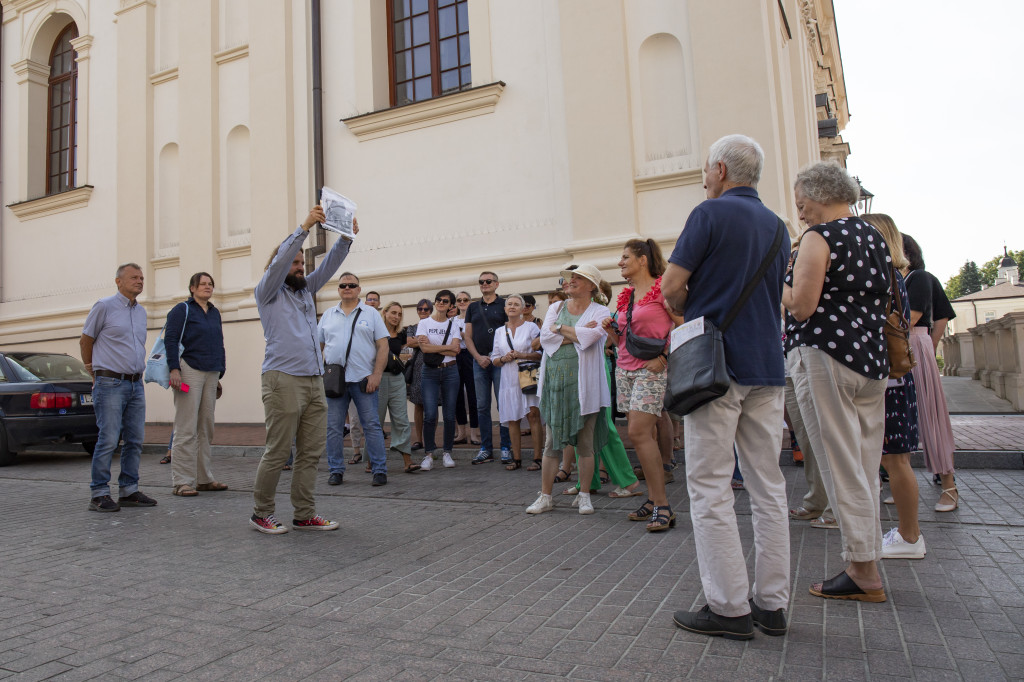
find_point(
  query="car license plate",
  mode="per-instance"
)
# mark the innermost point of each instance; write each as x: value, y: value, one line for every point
x: 85, y: 398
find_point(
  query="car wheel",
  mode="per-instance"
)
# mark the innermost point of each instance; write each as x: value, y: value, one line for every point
x: 89, y: 446
x: 6, y: 456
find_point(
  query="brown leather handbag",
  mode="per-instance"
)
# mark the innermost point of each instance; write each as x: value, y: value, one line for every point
x: 897, y: 333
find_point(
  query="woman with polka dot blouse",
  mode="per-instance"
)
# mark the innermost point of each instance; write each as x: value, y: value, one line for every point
x: 836, y: 293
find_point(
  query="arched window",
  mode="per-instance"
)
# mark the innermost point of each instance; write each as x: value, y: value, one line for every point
x: 63, y: 99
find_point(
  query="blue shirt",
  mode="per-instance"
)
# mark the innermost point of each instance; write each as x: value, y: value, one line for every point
x: 334, y: 331
x: 722, y: 245
x: 289, y: 317
x: 118, y: 327
x: 203, y: 338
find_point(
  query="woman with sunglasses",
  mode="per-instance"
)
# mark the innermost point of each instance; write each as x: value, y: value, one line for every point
x: 467, y: 427
x: 423, y: 309
x: 438, y: 338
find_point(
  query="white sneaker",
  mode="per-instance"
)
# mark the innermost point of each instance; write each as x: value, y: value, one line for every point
x: 447, y: 460
x: 584, y: 503
x: 544, y: 503
x: 895, y: 547
x: 427, y: 462
x: 889, y: 500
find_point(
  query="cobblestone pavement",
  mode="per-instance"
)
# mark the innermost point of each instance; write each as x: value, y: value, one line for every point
x: 441, y: 575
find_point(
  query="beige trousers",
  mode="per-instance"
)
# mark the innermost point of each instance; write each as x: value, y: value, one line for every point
x: 193, y: 427
x: 844, y: 414
x: 748, y: 416
x: 816, y: 498
x: 294, y: 407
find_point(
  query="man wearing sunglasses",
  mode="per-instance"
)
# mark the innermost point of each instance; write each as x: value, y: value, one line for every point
x: 353, y: 335
x: 482, y: 318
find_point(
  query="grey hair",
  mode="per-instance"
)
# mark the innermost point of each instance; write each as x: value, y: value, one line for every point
x: 826, y: 182
x: 742, y: 156
x: 125, y: 266
x: 522, y: 300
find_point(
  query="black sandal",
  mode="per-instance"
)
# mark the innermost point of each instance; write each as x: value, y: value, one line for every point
x: 603, y: 477
x: 562, y: 476
x: 645, y: 512
x: 663, y: 520
x: 513, y: 464
x: 356, y: 458
x: 166, y: 459
x: 535, y: 466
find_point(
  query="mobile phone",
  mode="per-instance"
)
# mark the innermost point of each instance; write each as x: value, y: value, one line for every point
x: 184, y: 387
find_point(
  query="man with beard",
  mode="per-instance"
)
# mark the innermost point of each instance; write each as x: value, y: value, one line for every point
x: 292, y: 380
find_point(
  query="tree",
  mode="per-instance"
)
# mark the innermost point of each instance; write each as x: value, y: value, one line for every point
x: 970, y: 278
x: 990, y: 270
x: 953, y: 287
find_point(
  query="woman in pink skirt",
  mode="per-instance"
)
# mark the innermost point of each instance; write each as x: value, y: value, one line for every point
x: 929, y: 312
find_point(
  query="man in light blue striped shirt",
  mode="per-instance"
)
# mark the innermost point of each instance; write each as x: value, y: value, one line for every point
x: 292, y: 379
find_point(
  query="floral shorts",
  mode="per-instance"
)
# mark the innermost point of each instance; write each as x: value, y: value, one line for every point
x: 640, y: 390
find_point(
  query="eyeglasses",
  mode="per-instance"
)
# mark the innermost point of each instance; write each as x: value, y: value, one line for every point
x: 348, y: 285
x: 424, y: 309
x: 442, y: 300
x: 462, y: 300
x: 487, y: 281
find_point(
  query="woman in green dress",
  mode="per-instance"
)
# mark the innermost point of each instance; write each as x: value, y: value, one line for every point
x: 572, y: 386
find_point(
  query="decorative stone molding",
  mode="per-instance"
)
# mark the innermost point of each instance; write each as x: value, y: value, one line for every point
x: 161, y: 262
x: 129, y: 5
x: 234, y: 251
x: 231, y: 54
x: 54, y: 203
x: 164, y: 76
x: 454, y: 107
x: 164, y: 253
x: 82, y: 45
x: 27, y: 70
x: 810, y: 23
x: 690, y: 176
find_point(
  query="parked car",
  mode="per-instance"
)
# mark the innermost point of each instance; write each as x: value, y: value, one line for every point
x: 44, y: 398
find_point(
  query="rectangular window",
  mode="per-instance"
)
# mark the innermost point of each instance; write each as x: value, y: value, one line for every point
x: 429, y: 48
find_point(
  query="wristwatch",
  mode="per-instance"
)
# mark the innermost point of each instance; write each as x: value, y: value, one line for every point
x: 558, y: 329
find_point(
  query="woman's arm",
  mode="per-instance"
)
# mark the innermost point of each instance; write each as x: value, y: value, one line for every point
x: 801, y: 299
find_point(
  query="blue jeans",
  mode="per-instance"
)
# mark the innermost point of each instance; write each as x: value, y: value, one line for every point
x: 446, y: 381
x: 120, y: 408
x: 366, y: 406
x: 487, y: 380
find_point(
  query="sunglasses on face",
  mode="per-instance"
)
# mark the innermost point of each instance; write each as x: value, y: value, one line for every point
x: 348, y: 285
x: 487, y: 281
x: 462, y: 300
x: 424, y: 309
x: 443, y: 301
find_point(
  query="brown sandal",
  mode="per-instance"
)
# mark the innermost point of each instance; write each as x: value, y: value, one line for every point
x: 212, y: 486
x: 185, y: 490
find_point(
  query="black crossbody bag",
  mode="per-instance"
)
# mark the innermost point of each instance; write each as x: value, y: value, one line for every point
x: 641, y: 347
x: 435, y: 360
x: 334, y: 375
x: 697, y: 373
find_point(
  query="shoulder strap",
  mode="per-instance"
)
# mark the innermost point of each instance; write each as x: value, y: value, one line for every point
x: 351, y: 333
x: 446, y: 333
x: 182, y: 336
x: 629, y: 310
x: 509, y: 337
x: 756, y: 279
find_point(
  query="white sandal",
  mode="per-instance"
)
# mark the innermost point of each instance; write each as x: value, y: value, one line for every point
x: 954, y: 495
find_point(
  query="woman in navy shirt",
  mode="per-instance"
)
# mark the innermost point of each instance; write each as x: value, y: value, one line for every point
x: 195, y: 379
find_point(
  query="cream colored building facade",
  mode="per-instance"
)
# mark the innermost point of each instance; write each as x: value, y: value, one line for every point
x: 587, y: 124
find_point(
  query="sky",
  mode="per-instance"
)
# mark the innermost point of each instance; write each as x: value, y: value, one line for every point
x: 936, y: 110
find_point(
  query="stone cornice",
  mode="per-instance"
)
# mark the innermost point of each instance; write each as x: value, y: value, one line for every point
x: 28, y: 70
x: 456, y: 106
x: 163, y: 76
x: 129, y: 5
x: 54, y: 203
x: 231, y: 54
x: 690, y: 176
x: 82, y: 45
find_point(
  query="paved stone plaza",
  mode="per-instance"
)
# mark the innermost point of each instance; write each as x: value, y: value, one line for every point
x: 441, y: 575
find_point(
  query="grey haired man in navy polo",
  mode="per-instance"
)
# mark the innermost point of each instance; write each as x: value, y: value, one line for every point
x: 113, y: 347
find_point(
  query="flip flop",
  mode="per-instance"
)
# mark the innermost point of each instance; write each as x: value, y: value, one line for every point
x: 412, y: 468
x: 843, y: 587
x: 620, y: 492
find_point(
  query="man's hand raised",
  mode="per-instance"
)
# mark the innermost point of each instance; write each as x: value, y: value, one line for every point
x: 316, y: 215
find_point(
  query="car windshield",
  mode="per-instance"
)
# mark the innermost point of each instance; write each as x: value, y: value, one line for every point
x: 47, y: 367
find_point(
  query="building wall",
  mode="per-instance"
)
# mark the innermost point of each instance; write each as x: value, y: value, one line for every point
x: 588, y: 124
x: 972, y: 313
